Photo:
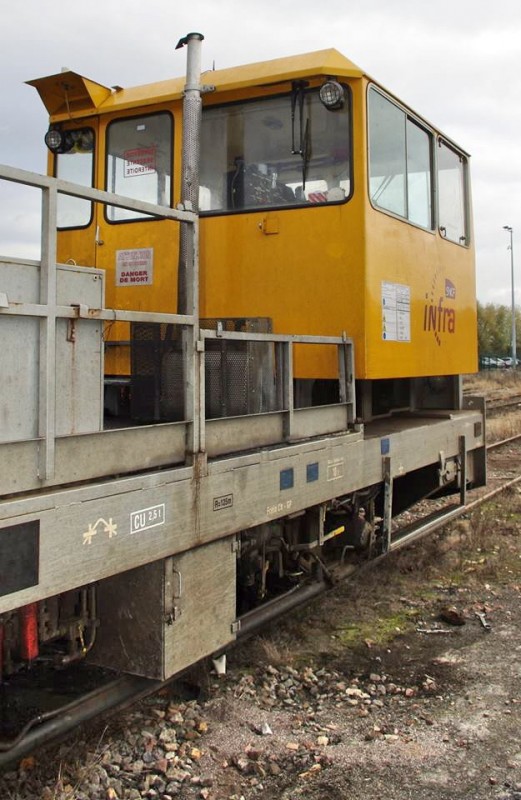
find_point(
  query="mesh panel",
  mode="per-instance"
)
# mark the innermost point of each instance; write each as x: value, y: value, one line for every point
x: 240, y: 376
x: 227, y: 378
x: 156, y: 385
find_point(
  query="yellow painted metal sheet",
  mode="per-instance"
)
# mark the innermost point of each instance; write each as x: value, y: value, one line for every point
x: 420, y: 301
x: 87, y: 97
x: 406, y: 296
x: 69, y: 92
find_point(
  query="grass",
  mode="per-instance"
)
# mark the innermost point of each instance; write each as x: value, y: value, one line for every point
x: 495, y: 385
x: 379, y: 631
x: 274, y: 652
x: 504, y: 427
x: 496, y: 382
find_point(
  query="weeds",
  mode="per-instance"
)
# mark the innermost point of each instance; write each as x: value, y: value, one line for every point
x: 276, y: 653
x: 493, y: 381
x: 504, y: 427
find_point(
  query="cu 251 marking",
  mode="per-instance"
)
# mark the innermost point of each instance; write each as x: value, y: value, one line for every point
x: 147, y: 518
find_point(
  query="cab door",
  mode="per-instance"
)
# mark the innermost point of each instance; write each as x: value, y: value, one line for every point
x: 138, y: 253
x: 76, y: 220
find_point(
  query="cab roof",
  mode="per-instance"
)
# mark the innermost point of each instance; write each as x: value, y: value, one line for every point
x: 67, y: 94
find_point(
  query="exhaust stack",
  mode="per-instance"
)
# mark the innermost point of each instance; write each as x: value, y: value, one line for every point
x: 187, y: 291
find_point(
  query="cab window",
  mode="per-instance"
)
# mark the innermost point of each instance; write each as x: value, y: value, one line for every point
x: 279, y: 151
x: 452, y: 194
x: 400, y: 162
x: 139, y: 162
x: 75, y: 164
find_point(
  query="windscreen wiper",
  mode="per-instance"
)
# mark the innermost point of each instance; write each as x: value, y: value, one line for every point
x: 304, y: 142
x: 297, y: 97
x: 306, y: 153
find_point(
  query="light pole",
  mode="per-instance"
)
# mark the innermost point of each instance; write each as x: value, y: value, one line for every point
x: 514, y: 355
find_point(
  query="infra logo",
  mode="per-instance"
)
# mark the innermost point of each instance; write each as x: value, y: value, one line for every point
x: 438, y: 315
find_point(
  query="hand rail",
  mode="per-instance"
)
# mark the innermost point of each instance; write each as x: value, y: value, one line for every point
x: 47, y: 310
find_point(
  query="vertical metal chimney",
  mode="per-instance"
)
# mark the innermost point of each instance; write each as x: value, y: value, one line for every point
x: 187, y: 277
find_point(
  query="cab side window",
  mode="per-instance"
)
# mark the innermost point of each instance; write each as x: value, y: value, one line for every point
x: 75, y: 164
x: 452, y: 194
x: 139, y: 162
x: 400, y: 162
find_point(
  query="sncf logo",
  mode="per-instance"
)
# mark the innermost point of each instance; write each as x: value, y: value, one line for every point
x: 438, y: 315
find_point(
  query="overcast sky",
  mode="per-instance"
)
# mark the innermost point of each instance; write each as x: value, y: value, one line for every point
x: 456, y: 62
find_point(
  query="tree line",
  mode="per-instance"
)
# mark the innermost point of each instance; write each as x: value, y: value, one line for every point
x: 495, y: 330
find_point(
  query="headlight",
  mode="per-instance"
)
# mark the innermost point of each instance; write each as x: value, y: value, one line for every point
x: 332, y: 95
x: 78, y: 140
x: 58, y: 141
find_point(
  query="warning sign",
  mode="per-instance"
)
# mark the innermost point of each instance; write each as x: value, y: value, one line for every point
x: 134, y: 267
x: 140, y: 161
x: 396, y: 312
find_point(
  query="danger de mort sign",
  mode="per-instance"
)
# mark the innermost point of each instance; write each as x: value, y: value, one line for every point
x: 134, y: 267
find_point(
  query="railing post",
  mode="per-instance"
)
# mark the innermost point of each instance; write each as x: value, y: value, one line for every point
x: 388, y: 504
x: 346, y: 378
x: 201, y: 364
x: 288, y: 398
x: 188, y: 268
x: 47, y: 370
x: 462, y: 442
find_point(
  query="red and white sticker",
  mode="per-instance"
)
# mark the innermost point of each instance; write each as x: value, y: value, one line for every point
x: 135, y: 267
x: 139, y: 161
x: 317, y: 197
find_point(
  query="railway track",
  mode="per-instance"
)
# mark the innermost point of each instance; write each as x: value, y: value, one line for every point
x: 501, y: 406
x: 125, y: 690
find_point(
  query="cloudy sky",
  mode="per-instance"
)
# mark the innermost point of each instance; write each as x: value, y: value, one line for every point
x: 456, y: 62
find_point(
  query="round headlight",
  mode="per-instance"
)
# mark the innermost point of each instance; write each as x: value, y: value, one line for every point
x: 59, y: 141
x: 332, y: 95
x: 54, y: 140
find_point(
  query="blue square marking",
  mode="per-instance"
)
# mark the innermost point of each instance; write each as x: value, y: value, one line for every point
x: 312, y: 472
x: 385, y: 446
x: 286, y: 478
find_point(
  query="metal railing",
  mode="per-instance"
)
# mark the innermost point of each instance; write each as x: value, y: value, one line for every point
x: 281, y: 422
x: 47, y: 309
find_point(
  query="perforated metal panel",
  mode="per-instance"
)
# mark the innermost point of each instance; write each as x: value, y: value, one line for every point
x: 156, y: 384
x: 240, y: 376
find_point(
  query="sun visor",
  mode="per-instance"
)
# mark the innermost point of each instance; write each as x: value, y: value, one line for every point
x: 68, y: 93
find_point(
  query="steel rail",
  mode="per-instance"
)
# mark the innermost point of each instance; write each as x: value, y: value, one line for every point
x: 55, y: 724
x: 502, y: 442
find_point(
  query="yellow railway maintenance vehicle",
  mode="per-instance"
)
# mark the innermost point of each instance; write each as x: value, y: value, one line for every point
x: 238, y: 359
